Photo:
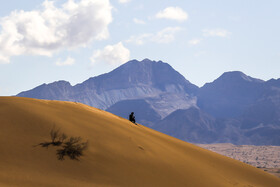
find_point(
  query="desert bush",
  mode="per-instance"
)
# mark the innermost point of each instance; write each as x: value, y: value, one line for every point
x: 73, y: 148
x: 62, y: 137
x: 54, y: 134
x: 56, y: 138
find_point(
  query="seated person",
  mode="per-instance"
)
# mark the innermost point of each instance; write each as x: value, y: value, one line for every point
x: 132, y: 117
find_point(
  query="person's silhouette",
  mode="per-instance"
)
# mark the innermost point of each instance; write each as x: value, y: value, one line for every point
x: 132, y: 117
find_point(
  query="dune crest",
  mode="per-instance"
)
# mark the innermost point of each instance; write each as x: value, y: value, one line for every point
x: 119, y: 153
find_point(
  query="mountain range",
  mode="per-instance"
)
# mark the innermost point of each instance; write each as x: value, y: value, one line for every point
x: 234, y: 108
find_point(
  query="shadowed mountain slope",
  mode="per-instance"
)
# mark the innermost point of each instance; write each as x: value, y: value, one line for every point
x: 191, y: 125
x: 141, y: 108
x: 254, y: 105
x: 119, y: 153
x: 230, y: 94
x: 195, y: 125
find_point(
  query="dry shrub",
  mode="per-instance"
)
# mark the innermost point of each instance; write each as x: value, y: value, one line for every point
x: 72, y: 147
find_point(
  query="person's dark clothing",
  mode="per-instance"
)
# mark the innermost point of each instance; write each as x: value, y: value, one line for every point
x: 132, y: 117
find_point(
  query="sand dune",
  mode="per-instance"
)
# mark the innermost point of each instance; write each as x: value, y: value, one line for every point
x: 119, y: 153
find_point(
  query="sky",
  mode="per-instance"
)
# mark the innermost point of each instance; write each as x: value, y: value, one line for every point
x: 42, y: 41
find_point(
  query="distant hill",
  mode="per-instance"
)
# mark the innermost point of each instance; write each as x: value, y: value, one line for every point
x: 119, y: 153
x: 254, y: 103
x: 230, y: 94
x: 242, y: 109
x: 190, y: 125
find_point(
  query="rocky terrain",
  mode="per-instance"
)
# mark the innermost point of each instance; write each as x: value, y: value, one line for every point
x: 264, y: 157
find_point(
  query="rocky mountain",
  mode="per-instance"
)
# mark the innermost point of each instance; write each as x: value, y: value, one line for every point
x: 59, y: 90
x: 166, y: 89
x: 261, y: 120
x: 235, y: 108
x: 230, y: 94
x: 190, y: 125
x: 274, y: 83
x: 197, y: 126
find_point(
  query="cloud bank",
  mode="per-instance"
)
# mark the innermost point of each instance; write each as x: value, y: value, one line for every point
x: 195, y: 41
x: 68, y: 62
x: 112, y: 54
x: 216, y: 32
x: 138, y: 21
x: 173, y: 13
x: 50, y: 29
x: 164, y: 36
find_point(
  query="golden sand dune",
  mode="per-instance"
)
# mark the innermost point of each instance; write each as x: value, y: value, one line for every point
x: 119, y: 153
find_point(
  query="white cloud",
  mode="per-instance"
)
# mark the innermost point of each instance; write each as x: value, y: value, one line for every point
x: 124, y: 1
x: 111, y: 54
x: 68, y: 62
x: 50, y: 29
x: 4, y: 59
x: 173, y: 13
x: 216, y: 32
x: 138, y: 21
x: 166, y: 35
x: 195, y: 41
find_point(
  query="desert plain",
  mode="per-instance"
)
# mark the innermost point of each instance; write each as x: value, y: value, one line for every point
x: 263, y: 157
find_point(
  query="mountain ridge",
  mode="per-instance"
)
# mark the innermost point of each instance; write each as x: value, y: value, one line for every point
x: 132, y: 80
x: 245, y: 109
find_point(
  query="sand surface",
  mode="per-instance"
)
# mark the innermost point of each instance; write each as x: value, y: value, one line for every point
x: 119, y: 153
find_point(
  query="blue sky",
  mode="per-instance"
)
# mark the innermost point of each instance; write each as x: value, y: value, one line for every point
x: 45, y: 41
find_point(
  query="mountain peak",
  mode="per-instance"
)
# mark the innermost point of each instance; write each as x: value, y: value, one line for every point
x: 273, y: 82
x: 147, y: 60
x: 149, y: 72
x: 151, y: 61
x: 144, y: 61
x: 229, y: 95
x: 237, y: 76
x: 61, y: 83
x: 131, y: 80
